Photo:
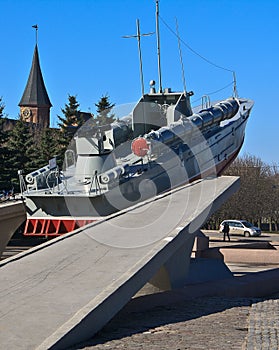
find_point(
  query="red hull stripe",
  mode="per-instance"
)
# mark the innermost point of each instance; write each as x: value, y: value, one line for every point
x: 52, y: 227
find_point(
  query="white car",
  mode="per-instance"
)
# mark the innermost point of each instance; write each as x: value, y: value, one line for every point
x: 241, y: 227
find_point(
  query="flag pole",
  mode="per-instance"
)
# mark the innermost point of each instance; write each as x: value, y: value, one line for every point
x: 35, y: 26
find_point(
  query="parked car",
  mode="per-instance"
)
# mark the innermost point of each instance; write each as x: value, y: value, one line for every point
x: 241, y: 227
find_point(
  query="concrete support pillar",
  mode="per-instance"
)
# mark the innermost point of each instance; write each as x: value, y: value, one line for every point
x: 201, y: 244
x: 174, y: 272
x: 12, y: 216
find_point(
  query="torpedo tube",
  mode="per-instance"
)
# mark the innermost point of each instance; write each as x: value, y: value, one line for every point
x: 176, y: 132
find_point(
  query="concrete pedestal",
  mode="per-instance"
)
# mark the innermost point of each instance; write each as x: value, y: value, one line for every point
x: 12, y: 215
x: 64, y: 291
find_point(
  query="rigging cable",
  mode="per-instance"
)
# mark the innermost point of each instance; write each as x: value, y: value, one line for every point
x: 204, y: 58
x: 216, y: 91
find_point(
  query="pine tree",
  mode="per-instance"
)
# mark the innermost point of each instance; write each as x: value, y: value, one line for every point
x: 46, y: 142
x: 22, y: 151
x: 72, y: 119
x: 4, y: 155
x: 68, y: 124
x: 2, y: 106
x: 48, y: 145
x: 104, y: 108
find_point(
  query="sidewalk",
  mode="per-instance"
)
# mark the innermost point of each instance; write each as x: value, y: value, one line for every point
x: 213, y: 323
x: 263, y: 326
x: 238, y: 313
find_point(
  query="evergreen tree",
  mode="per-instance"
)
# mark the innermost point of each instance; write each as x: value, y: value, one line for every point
x: 4, y: 156
x: 48, y: 145
x: 22, y: 151
x: 46, y: 142
x: 68, y: 124
x: 104, y: 108
x: 2, y: 106
x: 72, y: 119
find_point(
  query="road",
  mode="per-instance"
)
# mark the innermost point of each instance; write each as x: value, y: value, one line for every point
x: 265, y: 236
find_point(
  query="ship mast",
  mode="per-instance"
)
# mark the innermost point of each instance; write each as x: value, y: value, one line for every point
x: 158, y: 46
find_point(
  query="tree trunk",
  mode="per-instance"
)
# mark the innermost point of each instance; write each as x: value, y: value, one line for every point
x: 270, y: 225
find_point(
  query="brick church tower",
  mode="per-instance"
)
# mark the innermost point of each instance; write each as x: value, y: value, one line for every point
x: 35, y: 104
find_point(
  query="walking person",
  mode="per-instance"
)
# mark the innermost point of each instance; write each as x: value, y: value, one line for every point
x: 226, y: 231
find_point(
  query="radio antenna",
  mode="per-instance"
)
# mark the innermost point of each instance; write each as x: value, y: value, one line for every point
x: 180, y: 55
x: 138, y: 36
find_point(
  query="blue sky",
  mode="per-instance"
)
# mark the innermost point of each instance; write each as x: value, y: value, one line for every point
x: 82, y: 53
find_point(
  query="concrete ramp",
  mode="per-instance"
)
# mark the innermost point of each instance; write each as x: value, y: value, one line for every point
x: 62, y: 292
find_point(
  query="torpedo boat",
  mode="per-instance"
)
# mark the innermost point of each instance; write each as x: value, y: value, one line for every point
x: 163, y: 143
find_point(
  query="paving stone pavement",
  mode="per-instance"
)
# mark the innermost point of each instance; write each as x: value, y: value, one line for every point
x: 263, y: 326
x: 198, y: 323
x: 213, y: 323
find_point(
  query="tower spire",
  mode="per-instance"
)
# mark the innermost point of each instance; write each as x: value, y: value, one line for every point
x: 35, y: 104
